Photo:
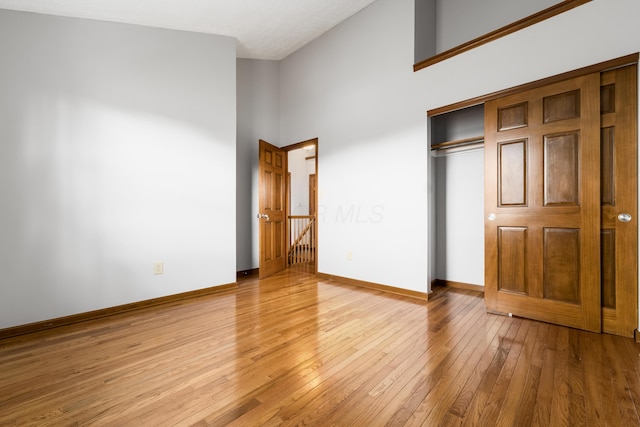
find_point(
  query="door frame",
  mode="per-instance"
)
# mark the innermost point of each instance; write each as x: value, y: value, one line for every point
x: 286, y: 149
x: 296, y: 146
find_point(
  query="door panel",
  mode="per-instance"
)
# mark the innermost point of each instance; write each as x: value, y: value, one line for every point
x: 542, y: 203
x: 272, y: 173
x: 512, y: 162
x: 512, y: 250
x: 561, y: 180
x: 561, y: 263
x: 619, y: 189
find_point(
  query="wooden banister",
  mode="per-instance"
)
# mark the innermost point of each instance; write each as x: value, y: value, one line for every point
x: 302, y: 248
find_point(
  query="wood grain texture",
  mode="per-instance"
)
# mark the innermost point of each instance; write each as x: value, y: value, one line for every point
x: 110, y: 311
x: 550, y: 273
x: 272, y: 167
x: 512, y: 173
x: 293, y: 349
x: 375, y: 286
x: 457, y: 285
x: 619, y: 154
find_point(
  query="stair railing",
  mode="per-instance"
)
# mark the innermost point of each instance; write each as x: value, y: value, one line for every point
x: 302, y: 231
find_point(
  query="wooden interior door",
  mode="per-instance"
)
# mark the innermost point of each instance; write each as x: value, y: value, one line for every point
x: 619, y: 189
x: 542, y: 203
x: 272, y: 216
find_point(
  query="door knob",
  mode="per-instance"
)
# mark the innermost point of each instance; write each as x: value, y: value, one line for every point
x: 624, y: 217
x: 265, y: 216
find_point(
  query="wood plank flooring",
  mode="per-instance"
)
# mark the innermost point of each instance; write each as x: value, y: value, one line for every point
x: 295, y: 350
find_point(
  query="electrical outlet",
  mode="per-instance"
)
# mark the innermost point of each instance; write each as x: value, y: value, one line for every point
x: 349, y: 256
x: 158, y: 268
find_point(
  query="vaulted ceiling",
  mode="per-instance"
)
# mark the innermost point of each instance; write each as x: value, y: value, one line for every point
x: 265, y: 29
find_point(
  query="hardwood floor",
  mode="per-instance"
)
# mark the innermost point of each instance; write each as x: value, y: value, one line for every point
x: 294, y: 350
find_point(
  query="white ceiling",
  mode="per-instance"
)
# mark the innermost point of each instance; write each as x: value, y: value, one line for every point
x: 265, y: 29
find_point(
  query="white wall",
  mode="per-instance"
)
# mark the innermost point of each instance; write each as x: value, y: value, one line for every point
x: 459, y: 21
x: 424, y: 41
x: 459, y: 230
x: 258, y: 118
x: 354, y: 89
x: 300, y: 168
x: 118, y: 151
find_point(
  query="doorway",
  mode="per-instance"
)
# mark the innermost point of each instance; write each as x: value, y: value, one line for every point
x: 301, y: 215
x: 288, y: 207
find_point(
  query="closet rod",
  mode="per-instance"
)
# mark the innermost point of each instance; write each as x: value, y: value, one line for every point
x: 458, y: 143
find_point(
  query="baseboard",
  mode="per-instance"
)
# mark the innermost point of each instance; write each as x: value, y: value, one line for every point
x: 247, y: 273
x: 370, y: 285
x: 110, y: 311
x: 458, y: 285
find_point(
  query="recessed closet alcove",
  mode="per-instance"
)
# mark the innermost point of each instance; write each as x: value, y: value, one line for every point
x: 536, y: 192
x: 457, y: 147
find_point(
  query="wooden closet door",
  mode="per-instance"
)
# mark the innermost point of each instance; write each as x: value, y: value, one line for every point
x: 619, y: 190
x: 542, y: 203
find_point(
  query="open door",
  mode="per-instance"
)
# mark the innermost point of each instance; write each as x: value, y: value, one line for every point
x: 542, y: 203
x: 272, y: 206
